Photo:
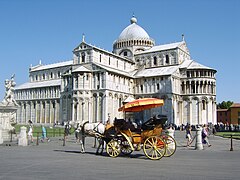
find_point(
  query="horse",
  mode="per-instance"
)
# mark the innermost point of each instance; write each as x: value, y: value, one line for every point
x: 86, y: 129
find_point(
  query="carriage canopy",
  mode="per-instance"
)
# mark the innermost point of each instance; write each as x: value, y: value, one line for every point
x: 141, y: 104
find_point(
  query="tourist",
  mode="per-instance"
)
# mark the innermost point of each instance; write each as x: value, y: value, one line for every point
x: 188, y: 134
x: 170, y: 130
x: 67, y: 129
x: 77, y: 132
x: 44, y: 134
x: 108, y: 125
x: 205, y: 135
x: 30, y: 131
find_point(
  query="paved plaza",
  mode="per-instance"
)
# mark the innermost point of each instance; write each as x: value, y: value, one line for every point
x: 52, y: 160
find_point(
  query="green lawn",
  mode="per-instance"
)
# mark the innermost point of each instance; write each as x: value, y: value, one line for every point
x: 51, y: 132
x: 235, y: 135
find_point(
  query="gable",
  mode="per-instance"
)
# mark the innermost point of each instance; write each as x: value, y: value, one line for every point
x: 183, y: 46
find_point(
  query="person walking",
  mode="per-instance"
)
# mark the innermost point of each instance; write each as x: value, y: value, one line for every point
x: 205, y: 135
x: 30, y: 131
x: 44, y: 134
x: 77, y: 132
x: 188, y: 134
x: 66, y: 130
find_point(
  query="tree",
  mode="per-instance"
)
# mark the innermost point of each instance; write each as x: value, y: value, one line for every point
x: 224, y: 105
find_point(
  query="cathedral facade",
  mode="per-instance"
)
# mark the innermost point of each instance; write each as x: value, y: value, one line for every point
x: 95, y: 83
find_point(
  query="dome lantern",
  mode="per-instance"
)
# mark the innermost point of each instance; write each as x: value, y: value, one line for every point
x: 133, y: 20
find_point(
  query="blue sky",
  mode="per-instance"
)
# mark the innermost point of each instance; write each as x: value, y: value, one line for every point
x: 48, y: 30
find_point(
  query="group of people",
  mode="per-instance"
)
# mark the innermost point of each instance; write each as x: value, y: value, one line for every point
x: 204, y: 134
x: 30, y: 132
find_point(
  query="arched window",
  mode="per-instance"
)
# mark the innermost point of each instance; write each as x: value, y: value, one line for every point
x: 203, y: 105
x: 119, y: 102
x: 83, y: 57
x: 76, y: 83
x: 155, y: 60
x: 167, y: 59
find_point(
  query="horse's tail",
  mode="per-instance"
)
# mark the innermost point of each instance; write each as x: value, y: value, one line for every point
x: 83, y: 127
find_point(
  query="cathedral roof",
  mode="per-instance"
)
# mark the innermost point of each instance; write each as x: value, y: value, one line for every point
x: 159, y: 71
x: 89, y: 68
x: 108, y: 68
x: 190, y: 64
x: 50, y: 66
x: 162, y: 47
x: 30, y: 85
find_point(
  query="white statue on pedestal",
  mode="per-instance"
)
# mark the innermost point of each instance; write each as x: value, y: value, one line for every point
x: 8, y: 110
x: 9, y: 94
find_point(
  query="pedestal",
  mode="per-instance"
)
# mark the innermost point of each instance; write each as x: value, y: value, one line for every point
x: 7, y: 118
x: 1, y: 138
x: 22, y: 140
x: 198, y: 144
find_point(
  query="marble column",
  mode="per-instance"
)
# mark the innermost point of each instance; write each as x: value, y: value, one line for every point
x: 73, y: 111
x: 78, y: 110
x: 40, y: 111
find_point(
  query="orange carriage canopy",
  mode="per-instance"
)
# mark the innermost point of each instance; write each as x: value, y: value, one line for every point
x: 141, y: 104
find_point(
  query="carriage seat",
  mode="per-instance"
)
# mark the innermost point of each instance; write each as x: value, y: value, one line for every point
x: 136, y: 137
x: 154, y: 121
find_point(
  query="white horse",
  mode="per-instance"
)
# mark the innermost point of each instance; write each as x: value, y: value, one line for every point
x: 85, y: 129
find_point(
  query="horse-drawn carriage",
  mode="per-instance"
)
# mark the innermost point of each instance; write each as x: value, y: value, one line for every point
x: 150, y: 138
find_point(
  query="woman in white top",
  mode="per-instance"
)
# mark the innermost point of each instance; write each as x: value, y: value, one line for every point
x: 30, y: 131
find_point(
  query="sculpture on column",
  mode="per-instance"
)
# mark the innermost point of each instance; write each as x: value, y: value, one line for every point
x: 8, y: 109
x: 9, y: 94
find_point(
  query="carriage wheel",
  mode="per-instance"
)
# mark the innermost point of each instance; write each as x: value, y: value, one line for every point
x: 154, y: 147
x: 171, y: 145
x: 113, y: 148
x: 125, y: 147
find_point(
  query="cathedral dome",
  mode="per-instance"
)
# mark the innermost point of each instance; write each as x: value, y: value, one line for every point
x: 133, y: 36
x: 133, y: 31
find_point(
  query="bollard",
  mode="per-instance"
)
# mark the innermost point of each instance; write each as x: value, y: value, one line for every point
x: 37, y: 143
x: 11, y: 135
x: 198, y: 144
x: 22, y: 140
x: 64, y: 139
x: 231, y: 148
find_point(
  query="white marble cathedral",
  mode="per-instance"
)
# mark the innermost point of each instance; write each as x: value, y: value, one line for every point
x: 96, y: 82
